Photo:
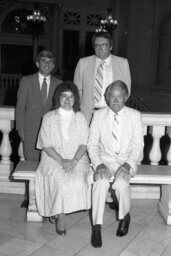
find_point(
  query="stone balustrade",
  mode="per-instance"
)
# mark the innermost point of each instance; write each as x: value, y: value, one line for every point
x: 7, y: 119
x: 156, y: 124
x: 9, y: 84
x: 6, y: 125
x: 159, y: 124
x: 9, y: 81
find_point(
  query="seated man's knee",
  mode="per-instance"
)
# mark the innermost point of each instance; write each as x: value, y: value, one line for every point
x: 120, y: 185
x: 101, y: 183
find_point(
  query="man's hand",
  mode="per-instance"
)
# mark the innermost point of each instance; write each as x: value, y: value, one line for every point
x: 123, y: 171
x: 101, y: 172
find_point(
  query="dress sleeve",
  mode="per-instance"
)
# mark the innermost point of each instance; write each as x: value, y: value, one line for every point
x: 44, y: 137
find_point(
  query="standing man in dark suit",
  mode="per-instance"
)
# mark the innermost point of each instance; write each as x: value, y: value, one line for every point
x: 112, y: 68
x: 34, y: 99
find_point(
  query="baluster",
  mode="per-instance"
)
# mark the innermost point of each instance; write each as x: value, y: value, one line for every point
x: 155, y: 154
x: 142, y: 154
x: 9, y: 83
x: 5, y: 147
x: 168, y: 131
x: 20, y: 151
x: 141, y: 158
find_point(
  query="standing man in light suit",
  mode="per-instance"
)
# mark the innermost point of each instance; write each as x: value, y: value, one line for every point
x: 34, y: 99
x: 114, y: 68
x: 115, y: 146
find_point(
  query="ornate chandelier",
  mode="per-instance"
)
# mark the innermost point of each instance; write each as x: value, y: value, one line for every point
x: 36, y: 17
x: 108, y: 24
x: 36, y: 21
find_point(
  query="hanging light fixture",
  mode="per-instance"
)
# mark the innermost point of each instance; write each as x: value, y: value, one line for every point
x: 108, y: 24
x: 36, y: 21
x: 36, y: 16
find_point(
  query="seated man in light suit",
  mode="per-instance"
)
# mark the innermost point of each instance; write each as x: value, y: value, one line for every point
x: 115, y: 146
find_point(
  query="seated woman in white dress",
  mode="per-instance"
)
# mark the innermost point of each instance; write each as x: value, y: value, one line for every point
x: 63, y: 176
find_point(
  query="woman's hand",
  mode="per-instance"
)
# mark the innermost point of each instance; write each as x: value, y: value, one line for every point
x: 69, y: 164
x: 66, y: 165
x: 74, y: 163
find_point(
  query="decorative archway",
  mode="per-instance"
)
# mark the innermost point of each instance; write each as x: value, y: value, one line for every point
x: 17, y: 45
x: 16, y: 22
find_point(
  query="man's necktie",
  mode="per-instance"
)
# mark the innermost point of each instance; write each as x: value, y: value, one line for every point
x: 115, y: 133
x: 98, y: 83
x: 44, y: 90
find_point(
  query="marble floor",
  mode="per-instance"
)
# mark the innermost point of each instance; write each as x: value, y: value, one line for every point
x: 148, y: 234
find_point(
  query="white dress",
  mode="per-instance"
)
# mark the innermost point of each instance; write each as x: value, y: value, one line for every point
x: 57, y: 191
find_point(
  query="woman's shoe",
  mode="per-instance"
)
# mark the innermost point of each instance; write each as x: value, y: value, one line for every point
x: 59, y: 221
x: 52, y: 219
x: 61, y: 232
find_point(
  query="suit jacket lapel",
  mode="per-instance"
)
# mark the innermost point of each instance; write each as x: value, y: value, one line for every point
x: 51, y: 89
x: 124, y: 132
x: 91, y: 72
x: 114, y: 71
x: 36, y: 88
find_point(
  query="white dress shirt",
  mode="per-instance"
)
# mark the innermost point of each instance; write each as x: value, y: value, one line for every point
x: 107, y: 79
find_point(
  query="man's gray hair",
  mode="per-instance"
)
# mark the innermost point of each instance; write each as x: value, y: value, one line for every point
x: 117, y: 83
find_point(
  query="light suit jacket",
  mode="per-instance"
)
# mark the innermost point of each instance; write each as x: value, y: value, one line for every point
x: 84, y: 79
x: 30, y: 108
x: 100, y: 147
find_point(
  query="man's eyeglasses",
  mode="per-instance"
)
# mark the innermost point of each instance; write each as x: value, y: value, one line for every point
x: 103, y: 46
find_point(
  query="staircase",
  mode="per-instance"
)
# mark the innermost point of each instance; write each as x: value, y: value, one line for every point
x: 135, y: 103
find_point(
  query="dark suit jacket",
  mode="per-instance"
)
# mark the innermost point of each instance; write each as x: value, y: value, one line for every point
x: 30, y: 108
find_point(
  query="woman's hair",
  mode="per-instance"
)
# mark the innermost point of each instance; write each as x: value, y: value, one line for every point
x: 65, y: 87
x: 104, y: 35
x: 119, y: 84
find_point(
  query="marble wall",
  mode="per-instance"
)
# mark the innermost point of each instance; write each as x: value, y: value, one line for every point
x: 148, y: 41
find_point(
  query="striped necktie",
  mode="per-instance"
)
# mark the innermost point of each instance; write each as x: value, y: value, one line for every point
x: 44, y: 90
x: 98, y: 87
x: 115, y: 133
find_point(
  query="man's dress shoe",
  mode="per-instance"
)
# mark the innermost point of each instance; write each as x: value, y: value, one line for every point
x: 61, y: 232
x: 123, y: 226
x: 96, y: 239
